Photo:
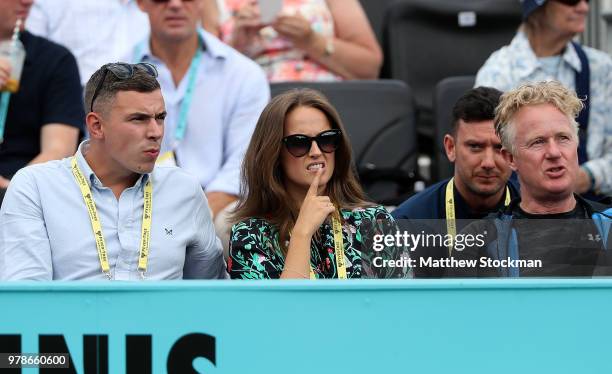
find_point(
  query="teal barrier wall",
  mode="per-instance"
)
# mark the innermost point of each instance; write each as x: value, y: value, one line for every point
x: 445, y: 326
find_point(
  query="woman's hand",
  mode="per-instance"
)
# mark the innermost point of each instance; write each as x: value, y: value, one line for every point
x: 294, y: 28
x: 246, y: 27
x: 315, y: 209
x: 313, y: 212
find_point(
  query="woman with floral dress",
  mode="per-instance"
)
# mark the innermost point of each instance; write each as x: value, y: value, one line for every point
x: 302, y: 213
x: 309, y: 40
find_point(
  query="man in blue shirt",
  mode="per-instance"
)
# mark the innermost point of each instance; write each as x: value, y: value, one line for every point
x: 107, y: 212
x: 480, y: 183
x: 214, y: 96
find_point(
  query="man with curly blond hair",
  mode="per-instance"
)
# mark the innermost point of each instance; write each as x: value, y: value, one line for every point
x: 549, y: 230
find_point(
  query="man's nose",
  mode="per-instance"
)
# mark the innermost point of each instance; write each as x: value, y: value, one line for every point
x: 155, y: 129
x: 488, y: 159
x: 552, y: 149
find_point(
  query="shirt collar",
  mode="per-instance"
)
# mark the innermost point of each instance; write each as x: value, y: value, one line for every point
x: 211, y: 46
x: 26, y: 39
x: 530, y: 61
x: 84, y: 166
x: 91, y: 176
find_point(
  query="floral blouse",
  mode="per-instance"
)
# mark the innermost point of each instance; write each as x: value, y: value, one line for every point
x: 255, y: 251
x: 276, y: 55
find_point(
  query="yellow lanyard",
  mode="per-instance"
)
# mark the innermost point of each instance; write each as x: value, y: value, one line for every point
x: 97, y: 226
x: 338, y: 248
x: 451, y: 224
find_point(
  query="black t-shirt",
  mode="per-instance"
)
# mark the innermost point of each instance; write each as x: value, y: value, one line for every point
x: 566, y: 243
x: 49, y: 92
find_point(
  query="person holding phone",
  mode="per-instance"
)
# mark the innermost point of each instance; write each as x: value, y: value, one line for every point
x: 298, y: 188
x: 308, y: 40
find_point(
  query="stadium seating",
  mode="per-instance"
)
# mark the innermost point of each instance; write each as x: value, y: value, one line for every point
x: 426, y: 41
x: 379, y: 118
x: 375, y: 11
x: 446, y: 93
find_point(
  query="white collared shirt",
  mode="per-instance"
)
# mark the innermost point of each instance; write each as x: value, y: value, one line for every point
x: 229, y: 95
x: 95, y: 31
x: 46, y: 233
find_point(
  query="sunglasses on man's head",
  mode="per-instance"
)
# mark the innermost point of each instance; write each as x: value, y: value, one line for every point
x: 122, y: 71
x: 569, y: 2
x: 299, y: 145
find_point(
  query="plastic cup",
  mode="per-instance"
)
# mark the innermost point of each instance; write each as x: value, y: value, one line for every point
x: 14, y: 52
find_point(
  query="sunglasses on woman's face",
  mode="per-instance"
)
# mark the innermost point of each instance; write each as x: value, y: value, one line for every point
x: 299, y: 145
x: 569, y: 2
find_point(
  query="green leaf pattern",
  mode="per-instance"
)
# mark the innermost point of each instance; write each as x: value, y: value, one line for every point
x: 255, y: 249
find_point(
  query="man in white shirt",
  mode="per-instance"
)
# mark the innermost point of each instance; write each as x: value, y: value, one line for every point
x: 214, y: 96
x: 108, y: 212
x: 95, y: 31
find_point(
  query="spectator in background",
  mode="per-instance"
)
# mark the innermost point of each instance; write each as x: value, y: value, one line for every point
x: 480, y: 183
x: 214, y: 13
x: 570, y: 235
x: 151, y: 221
x: 297, y: 177
x: 96, y: 31
x: 213, y: 94
x: 310, y: 40
x: 45, y: 115
x: 543, y: 50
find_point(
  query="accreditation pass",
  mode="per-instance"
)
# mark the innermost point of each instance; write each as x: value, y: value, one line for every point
x: 34, y: 360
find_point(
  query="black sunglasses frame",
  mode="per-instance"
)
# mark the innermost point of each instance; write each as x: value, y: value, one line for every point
x: 122, y: 70
x: 333, y: 135
x: 570, y: 2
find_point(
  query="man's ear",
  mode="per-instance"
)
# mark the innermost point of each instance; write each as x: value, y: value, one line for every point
x: 508, y: 158
x: 93, y: 122
x: 449, y: 147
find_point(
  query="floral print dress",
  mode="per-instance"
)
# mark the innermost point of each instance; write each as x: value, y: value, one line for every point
x: 255, y: 251
x: 276, y: 55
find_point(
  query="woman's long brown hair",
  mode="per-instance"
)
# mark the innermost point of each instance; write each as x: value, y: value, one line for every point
x: 263, y: 193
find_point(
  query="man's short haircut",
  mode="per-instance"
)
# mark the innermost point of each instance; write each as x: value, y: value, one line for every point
x: 476, y: 105
x: 141, y: 81
x: 534, y: 93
